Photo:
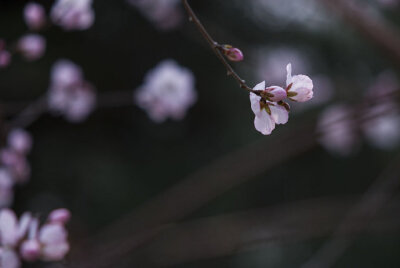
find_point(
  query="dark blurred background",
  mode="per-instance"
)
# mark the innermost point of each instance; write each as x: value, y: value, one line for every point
x: 118, y: 159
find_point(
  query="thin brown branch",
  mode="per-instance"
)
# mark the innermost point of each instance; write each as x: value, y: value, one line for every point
x: 214, y: 46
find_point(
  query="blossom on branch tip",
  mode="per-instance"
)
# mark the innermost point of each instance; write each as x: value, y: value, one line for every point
x: 299, y: 87
x: 34, y: 15
x: 32, y: 46
x: 167, y: 92
x: 232, y: 53
x: 267, y: 113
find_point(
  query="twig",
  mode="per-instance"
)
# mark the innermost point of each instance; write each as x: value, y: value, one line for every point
x: 214, y: 45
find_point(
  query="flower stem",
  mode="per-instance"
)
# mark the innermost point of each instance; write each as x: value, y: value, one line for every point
x: 214, y: 45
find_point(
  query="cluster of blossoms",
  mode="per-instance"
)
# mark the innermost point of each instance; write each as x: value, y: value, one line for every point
x: 268, y: 103
x: 25, y: 239
x: 14, y: 168
x: 379, y: 121
x: 73, y: 14
x: 68, y: 14
x: 69, y: 94
x: 165, y: 14
x: 168, y: 91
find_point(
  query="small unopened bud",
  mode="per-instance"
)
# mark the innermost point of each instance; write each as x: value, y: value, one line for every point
x: 232, y: 53
x: 60, y: 215
x: 276, y: 93
x: 30, y: 250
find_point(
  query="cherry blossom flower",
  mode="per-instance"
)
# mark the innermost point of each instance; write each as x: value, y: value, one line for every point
x: 24, y: 239
x: 73, y: 14
x: 34, y: 15
x: 232, y: 53
x: 32, y: 46
x: 69, y: 95
x: 168, y: 91
x: 338, y: 132
x: 299, y: 86
x: 267, y: 113
x: 165, y: 14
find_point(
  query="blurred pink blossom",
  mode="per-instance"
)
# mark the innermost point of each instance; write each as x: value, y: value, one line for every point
x: 32, y: 46
x: 338, y: 132
x: 168, y: 91
x: 69, y: 94
x: 165, y: 14
x: 267, y: 113
x: 20, y: 141
x: 60, y: 215
x: 5, y: 58
x: 73, y: 14
x: 34, y: 15
x: 25, y: 237
x: 17, y: 165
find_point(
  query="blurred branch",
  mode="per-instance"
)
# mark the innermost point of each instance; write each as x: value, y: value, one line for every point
x: 233, y: 233
x: 375, y: 30
x: 193, y: 192
x: 368, y: 207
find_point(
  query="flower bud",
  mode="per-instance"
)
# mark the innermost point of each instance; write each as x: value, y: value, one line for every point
x: 30, y: 250
x: 232, y: 53
x: 276, y: 93
x: 60, y: 215
x: 34, y: 16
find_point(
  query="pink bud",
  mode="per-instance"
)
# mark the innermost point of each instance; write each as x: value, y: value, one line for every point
x: 34, y: 16
x: 276, y: 93
x: 5, y: 58
x: 30, y: 250
x: 60, y: 215
x: 234, y: 54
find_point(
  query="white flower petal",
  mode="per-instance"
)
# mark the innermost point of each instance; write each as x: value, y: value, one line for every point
x: 264, y: 123
x: 279, y: 114
x: 255, y: 103
x: 8, y: 227
x: 260, y: 86
x: 289, y: 74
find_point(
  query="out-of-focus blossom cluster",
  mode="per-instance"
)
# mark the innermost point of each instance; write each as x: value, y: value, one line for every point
x: 14, y: 168
x: 25, y: 239
x: 164, y: 14
x: 68, y: 14
x: 268, y: 103
x: 342, y: 125
x: 69, y: 94
x: 167, y: 92
x: 73, y: 14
